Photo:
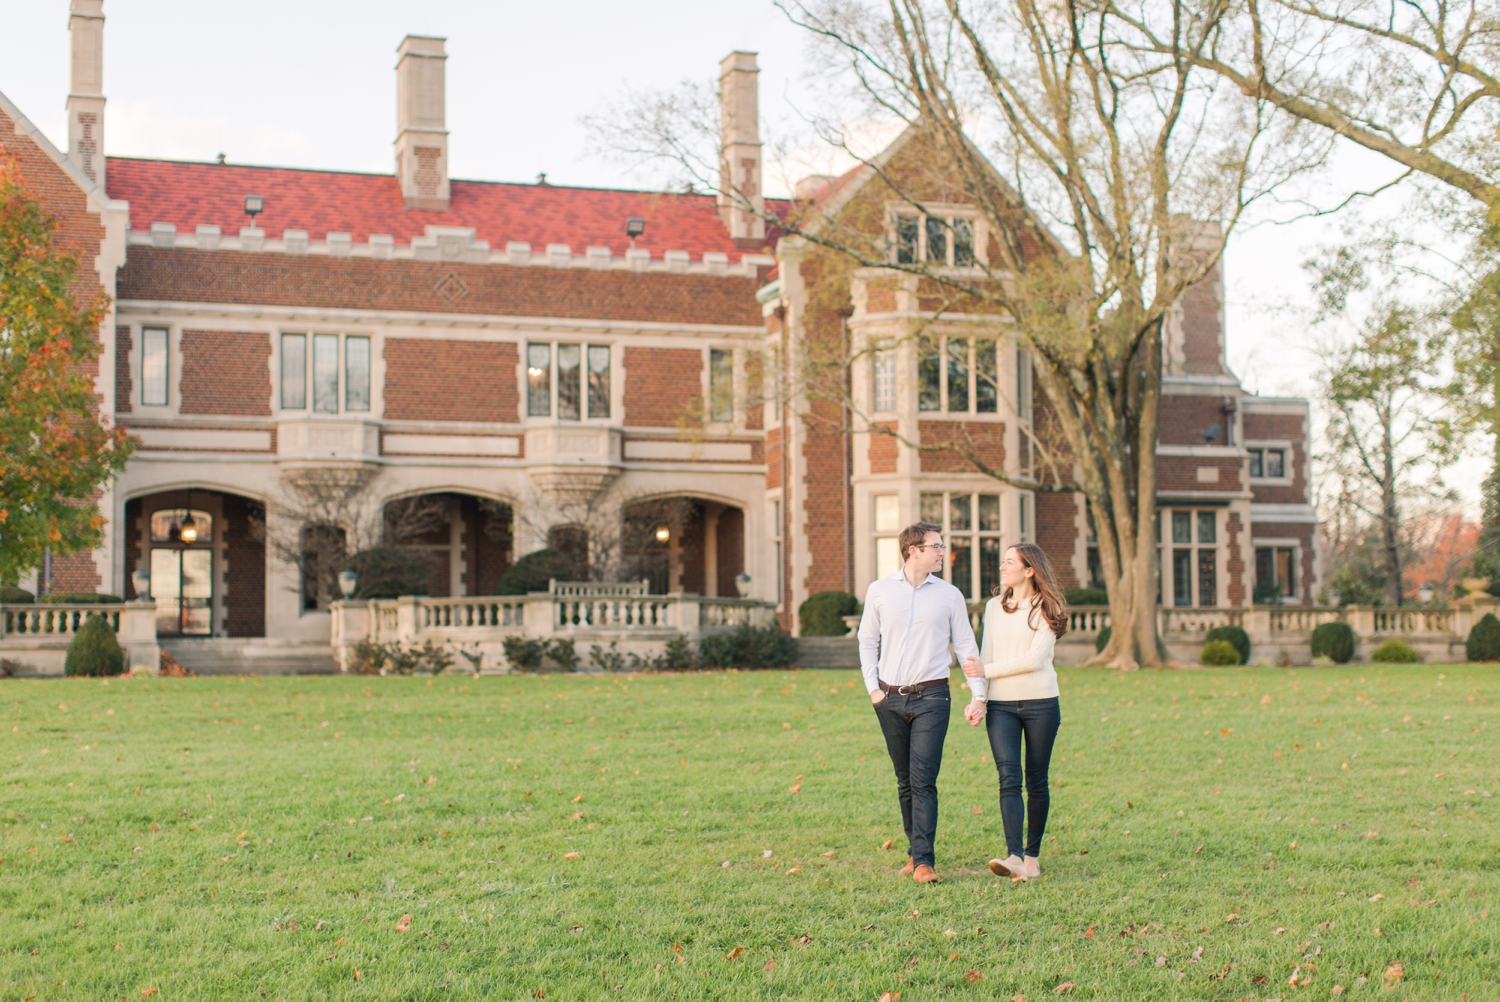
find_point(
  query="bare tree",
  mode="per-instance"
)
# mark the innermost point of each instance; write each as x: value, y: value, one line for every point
x: 1417, y: 83
x: 1108, y: 176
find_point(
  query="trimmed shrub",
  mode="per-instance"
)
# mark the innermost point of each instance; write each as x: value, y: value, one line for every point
x: 387, y: 572
x: 524, y: 654
x: 1396, y: 651
x: 1236, y: 636
x: 748, y: 647
x: 563, y: 655
x: 1484, y: 640
x: 820, y: 615
x: 1219, y: 652
x: 533, y: 571
x: 1102, y: 640
x: 607, y: 658
x: 94, y: 650
x: 1086, y: 596
x: 82, y: 598
x: 372, y: 658
x: 14, y: 594
x: 1335, y: 641
x: 676, y: 656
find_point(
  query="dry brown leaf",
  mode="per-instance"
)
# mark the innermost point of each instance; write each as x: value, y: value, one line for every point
x: 977, y: 810
x: 1394, y: 973
x: 1062, y: 987
x: 1232, y: 916
x: 886, y: 844
x: 828, y: 855
x: 975, y: 976
x: 771, y: 964
x: 575, y: 816
x: 578, y: 799
x: 795, y: 869
x: 1089, y: 931
x: 795, y: 788
x: 735, y: 953
x: 404, y: 924
x: 1018, y: 997
x: 677, y: 948
x: 148, y: 992
x: 1337, y: 990
x: 891, y: 997
x: 357, y: 976
x: 572, y: 855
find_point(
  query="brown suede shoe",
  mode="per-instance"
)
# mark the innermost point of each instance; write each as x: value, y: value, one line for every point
x: 924, y: 874
x: 911, y: 864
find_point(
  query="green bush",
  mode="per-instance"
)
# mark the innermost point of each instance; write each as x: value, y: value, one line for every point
x: 94, y: 650
x: 677, y: 655
x: 524, y: 654
x: 370, y: 657
x: 82, y: 598
x: 563, y: 655
x: 1266, y: 593
x: 748, y: 647
x: 1236, y: 636
x: 1396, y: 651
x: 821, y: 614
x: 1219, y: 652
x: 1102, y: 640
x: 1484, y: 640
x: 1086, y: 596
x: 387, y: 572
x: 533, y: 571
x: 14, y: 594
x: 1335, y: 641
x: 607, y: 658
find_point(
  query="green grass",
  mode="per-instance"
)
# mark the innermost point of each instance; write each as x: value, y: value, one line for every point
x: 263, y: 837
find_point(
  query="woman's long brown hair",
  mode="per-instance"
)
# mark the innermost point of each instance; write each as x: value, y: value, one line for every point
x: 1048, y: 599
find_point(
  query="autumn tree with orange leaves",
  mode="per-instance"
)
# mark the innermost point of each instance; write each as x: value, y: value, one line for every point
x: 54, y: 452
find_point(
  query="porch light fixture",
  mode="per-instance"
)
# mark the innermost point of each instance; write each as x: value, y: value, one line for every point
x: 634, y: 227
x: 189, y: 529
x: 663, y: 534
x: 254, y: 206
x: 1424, y: 594
x: 742, y: 584
x: 347, y: 583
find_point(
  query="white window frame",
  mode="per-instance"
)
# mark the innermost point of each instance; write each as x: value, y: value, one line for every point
x: 950, y: 213
x: 886, y: 534
x: 1278, y: 543
x: 974, y: 534
x: 168, y: 368
x: 944, y: 394
x: 309, y: 371
x: 1261, y: 445
x: 884, y: 398
x: 735, y: 408
x: 1165, y: 552
x: 586, y: 415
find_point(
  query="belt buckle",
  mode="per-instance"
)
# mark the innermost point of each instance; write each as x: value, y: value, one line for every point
x: 907, y: 690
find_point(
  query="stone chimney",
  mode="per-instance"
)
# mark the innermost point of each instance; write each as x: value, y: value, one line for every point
x: 86, y: 89
x: 739, y: 161
x: 421, y: 130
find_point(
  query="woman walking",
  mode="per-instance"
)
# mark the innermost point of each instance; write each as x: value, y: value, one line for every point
x: 1021, y: 627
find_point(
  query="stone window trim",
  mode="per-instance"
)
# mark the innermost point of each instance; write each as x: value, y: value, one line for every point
x: 938, y: 222
x: 1292, y: 543
x: 161, y: 390
x: 992, y: 391
x: 1192, y: 538
x: 1263, y: 446
x: 347, y: 400
x: 979, y: 522
x: 726, y: 407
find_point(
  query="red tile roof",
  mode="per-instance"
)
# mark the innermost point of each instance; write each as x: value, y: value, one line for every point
x: 193, y: 194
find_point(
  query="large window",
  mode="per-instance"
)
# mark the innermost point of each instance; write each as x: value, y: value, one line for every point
x: 885, y: 376
x: 940, y: 240
x: 1267, y: 464
x: 1275, y: 574
x: 887, y: 527
x: 154, y: 366
x: 971, y: 528
x: 337, y: 369
x: 776, y: 540
x: 720, y: 385
x: 573, y: 400
x: 957, y: 375
x: 1193, y: 560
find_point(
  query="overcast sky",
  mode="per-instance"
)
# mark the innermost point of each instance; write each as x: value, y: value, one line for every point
x: 311, y: 83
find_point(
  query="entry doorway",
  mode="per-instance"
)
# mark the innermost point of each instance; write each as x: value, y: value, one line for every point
x: 182, y: 564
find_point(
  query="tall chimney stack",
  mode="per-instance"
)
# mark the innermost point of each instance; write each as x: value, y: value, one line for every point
x: 421, y: 130
x: 739, y: 163
x: 86, y: 89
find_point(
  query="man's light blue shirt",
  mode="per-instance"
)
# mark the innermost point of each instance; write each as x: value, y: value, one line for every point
x: 905, y: 632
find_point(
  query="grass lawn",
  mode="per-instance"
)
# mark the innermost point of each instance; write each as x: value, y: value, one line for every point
x: 717, y: 836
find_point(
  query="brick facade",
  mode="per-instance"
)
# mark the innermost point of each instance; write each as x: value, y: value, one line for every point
x: 451, y: 380
x: 1203, y: 327
x: 1288, y: 428
x: 1186, y: 419
x: 226, y: 372
x: 883, y: 449
x: 1234, y: 531
x: 986, y: 439
x: 245, y: 573
x: 1057, y: 531
x: 123, y: 383
x: 661, y: 385
x: 1176, y: 474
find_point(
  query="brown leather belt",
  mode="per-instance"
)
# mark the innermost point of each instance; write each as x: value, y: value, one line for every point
x: 907, y: 690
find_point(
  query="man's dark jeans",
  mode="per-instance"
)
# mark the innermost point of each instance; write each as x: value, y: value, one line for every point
x: 914, y: 728
x: 1006, y: 722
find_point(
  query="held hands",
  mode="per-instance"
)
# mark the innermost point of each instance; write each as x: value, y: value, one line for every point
x: 975, y: 712
x: 973, y: 668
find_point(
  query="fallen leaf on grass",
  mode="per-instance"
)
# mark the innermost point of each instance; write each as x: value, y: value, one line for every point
x: 358, y: 976
x: 795, y: 869
x: 1231, y: 916
x: 1394, y: 973
x: 1337, y: 990
x: 977, y: 810
x: 1062, y: 987
x: 795, y: 788
x: 571, y: 855
x: 886, y: 844
x: 576, y: 816
x: 578, y: 799
x: 1197, y: 850
x: 1376, y: 897
x: 1089, y: 931
x: 974, y: 976
x: 1223, y: 973
x: 735, y: 953
x: 1018, y: 998
x: 148, y: 992
x: 575, y: 928
x: 1259, y: 979
x: 891, y: 997
x: 804, y: 940
x: 828, y: 855
x: 771, y: 964
x: 404, y: 925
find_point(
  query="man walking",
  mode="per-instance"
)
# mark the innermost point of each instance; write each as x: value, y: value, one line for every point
x: 909, y: 620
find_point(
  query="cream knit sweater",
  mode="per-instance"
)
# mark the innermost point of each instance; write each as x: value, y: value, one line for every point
x: 1017, y: 659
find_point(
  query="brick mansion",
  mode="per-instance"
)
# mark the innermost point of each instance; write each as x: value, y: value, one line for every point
x: 585, y: 369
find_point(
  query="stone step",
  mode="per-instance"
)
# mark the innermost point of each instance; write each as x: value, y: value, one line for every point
x: 251, y: 656
x: 828, y: 652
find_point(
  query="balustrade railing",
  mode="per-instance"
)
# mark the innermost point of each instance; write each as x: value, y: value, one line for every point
x: 53, y: 620
x: 731, y: 612
x: 471, y: 613
x: 1407, y: 621
x: 1198, y: 620
x: 599, y: 589
x: 608, y: 612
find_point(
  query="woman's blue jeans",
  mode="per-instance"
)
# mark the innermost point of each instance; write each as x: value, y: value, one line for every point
x: 1037, y: 721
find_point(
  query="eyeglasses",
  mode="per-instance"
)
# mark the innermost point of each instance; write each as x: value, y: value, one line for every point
x: 933, y: 546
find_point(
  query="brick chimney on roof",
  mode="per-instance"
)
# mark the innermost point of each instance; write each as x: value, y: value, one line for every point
x: 86, y: 89
x: 421, y: 122
x: 740, y: 201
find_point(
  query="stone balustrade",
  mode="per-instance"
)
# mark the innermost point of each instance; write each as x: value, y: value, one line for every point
x: 36, y: 636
